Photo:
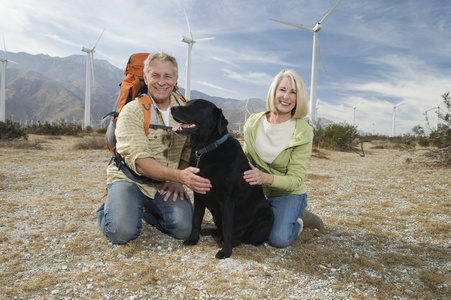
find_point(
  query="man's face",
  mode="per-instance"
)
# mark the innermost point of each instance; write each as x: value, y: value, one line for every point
x: 161, y: 80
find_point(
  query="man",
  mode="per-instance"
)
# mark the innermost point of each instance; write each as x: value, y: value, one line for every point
x: 161, y: 156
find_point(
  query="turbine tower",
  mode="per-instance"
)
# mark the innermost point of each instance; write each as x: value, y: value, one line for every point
x: 393, y: 124
x: 89, y: 73
x: 437, y: 111
x: 4, y: 61
x: 190, y: 41
x: 247, y: 113
x: 316, y: 50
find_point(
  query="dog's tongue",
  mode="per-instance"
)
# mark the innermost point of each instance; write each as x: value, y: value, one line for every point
x: 182, y: 126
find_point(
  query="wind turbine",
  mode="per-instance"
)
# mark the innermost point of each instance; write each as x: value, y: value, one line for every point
x: 437, y: 108
x: 394, y: 117
x: 4, y: 61
x: 353, y: 115
x: 89, y: 73
x: 190, y: 41
x: 315, y: 51
x: 247, y: 113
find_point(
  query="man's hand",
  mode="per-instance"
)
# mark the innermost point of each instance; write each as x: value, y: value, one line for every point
x: 175, y: 189
x: 189, y: 178
x: 149, y: 167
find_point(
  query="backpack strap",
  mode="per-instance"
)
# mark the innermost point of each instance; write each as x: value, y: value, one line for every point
x: 150, y: 113
x: 121, y: 165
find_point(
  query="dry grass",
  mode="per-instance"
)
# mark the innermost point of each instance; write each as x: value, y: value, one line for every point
x: 387, y: 236
x: 92, y: 142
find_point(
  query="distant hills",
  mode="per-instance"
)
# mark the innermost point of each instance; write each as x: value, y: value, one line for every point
x: 50, y: 89
x: 43, y: 88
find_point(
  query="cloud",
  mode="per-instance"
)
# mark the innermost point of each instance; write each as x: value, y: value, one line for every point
x: 373, y: 50
x: 249, y: 77
x: 216, y: 87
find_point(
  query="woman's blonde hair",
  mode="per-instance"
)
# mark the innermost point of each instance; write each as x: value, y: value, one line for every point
x: 301, y: 108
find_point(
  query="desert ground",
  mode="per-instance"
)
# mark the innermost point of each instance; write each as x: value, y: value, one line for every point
x: 387, y: 217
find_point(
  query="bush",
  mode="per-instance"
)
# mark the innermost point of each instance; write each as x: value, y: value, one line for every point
x: 101, y: 130
x: 439, y: 137
x: 341, y: 137
x: 236, y: 134
x: 12, y: 130
x: 60, y: 128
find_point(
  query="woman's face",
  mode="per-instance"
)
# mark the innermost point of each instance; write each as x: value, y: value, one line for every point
x: 285, y: 98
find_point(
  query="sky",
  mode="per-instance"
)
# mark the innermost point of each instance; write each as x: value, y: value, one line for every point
x: 378, y: 53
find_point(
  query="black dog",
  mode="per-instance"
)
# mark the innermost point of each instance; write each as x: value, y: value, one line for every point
x: 240, y: 211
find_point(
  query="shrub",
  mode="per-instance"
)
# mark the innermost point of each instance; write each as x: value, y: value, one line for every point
x: 341, y: 137
x: 441, y: 136
x: 12, y: 130
x: 236, y: 134
x: 60, y: 128
x: 101, y: 130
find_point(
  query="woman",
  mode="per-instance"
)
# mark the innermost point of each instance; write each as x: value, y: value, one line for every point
x: 278, y: 144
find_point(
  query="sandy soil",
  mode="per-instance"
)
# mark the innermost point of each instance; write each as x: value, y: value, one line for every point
x: 387, y: 218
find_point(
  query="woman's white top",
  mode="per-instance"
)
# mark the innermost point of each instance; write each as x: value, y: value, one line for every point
x: 272, y: 138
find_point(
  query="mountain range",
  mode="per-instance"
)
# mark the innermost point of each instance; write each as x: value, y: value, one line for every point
x: 41, y: 88
x: 50, y: 89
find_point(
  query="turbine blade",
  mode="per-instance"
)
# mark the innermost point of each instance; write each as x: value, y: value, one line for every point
x: 187, y: 22
x: 203, y: 40
x: 358, y: 104
x: 400, y: 103
x: 329, y: 13
x: 98, y: 39
x: 293, y: 24
x: 318, y: 48
x: 4, y: 45
x: 388, y: 102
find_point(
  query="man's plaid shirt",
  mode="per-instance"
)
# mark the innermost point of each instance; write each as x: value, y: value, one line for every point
x: 132, y: 143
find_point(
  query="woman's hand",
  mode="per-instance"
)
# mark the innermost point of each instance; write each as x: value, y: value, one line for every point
x: 256, y: 177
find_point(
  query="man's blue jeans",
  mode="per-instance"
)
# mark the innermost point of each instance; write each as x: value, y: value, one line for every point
x: 287, y: 209
x: 120, y: 216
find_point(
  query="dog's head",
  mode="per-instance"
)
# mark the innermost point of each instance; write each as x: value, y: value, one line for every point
x: 202, y: 119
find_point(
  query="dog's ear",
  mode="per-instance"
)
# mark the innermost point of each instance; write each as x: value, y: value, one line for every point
x: 222, y: 122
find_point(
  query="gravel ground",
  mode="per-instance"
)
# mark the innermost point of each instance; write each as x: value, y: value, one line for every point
x: 387, y: 218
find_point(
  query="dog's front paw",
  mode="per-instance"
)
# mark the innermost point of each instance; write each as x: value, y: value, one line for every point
x: 191, y: 241
x: 223, y: 254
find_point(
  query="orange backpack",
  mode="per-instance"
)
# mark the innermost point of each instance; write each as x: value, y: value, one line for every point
x: 133, y: 87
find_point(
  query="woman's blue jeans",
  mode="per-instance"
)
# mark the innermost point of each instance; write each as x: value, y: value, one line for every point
x: 287, y: 209
x: 120, y: 216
